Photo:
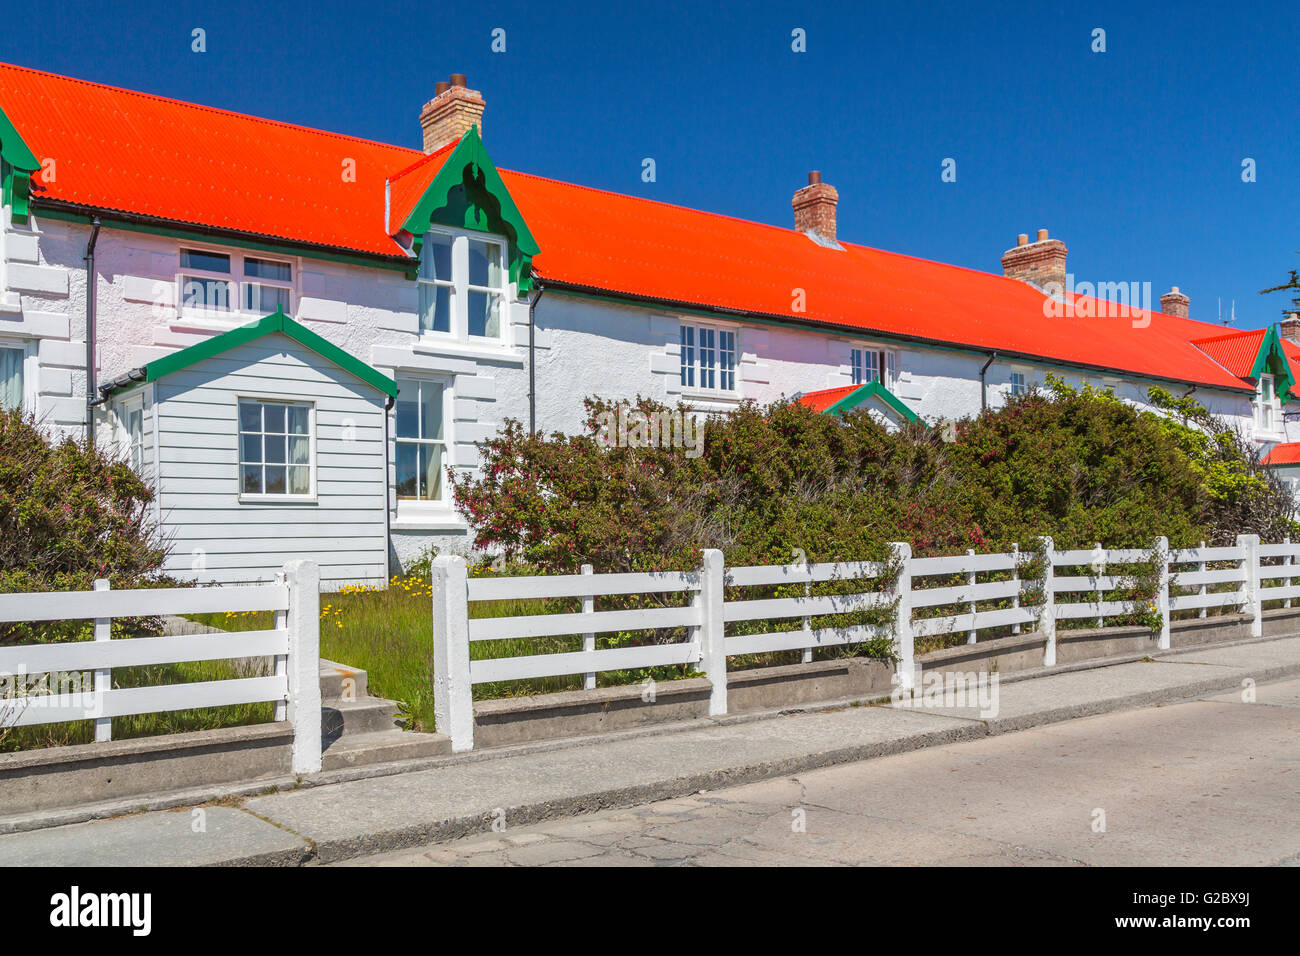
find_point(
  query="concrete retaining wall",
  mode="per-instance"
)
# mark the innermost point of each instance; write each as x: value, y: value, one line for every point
x: 55, y: 777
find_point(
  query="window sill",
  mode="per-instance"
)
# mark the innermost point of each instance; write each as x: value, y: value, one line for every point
x: 700, y: 395
x: 278, y: 500
x: 430, y: 521
x: 215, y: 322
x: 454, y: 348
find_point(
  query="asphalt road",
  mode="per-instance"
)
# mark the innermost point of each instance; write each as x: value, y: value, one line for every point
x: 1213, y: 781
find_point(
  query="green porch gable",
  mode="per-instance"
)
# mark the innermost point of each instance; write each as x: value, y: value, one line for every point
x: 17, y: 163
x: 1272, y: 360
x: 872, y: 390
x: 467, y: 193
x: 276, y: 322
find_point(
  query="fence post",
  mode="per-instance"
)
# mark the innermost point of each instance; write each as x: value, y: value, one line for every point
x: 1202, y: 566
x: 1099, y: 569
x: 1162, y: 598
x: 712, y: 639
x: 904, y: 645
x: 303, y: 619
x: 453, y: 696
x: 1047, y: 623
x: 104, y: 677
x: 280, y: 622
x: 972, y: 636
x: 1015, y: 576
x: 1288, y: 561
x: 588, y: 640
x: 1255, y: 606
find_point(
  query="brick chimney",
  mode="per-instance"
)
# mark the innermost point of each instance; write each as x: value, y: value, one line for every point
x: 451, y: 112
x: 1174, y: 302
x: 814, y: 208
x: 1289, y: 328
x: 1040, y: 263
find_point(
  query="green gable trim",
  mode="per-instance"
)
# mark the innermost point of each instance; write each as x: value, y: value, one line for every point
x: 872, y: 390
x: 276, y: 322
x: 17, y: 163
x: 1271, y: 360
x: 468, y: 193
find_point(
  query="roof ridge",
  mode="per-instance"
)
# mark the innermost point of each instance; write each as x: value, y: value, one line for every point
x: 158, y: 97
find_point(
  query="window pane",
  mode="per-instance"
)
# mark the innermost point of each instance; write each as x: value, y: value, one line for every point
x: 707, y: 358
x: 11, y: 378
x: 430, y: 410
x: 209, y: 294
x: 273, y: 447
x: 726, y: 361
x: 435, y: 257
x: 275, y: 481
x: 250, y: 448
x: 407, y: 467
x: 431, y: 472
x: 205, y: 261
x: 299, y: 481
x: 484, y: 264
x: 688, y: 356
x: 250, y: 417
x: 274, y: 418
x: 855, y: 365
x: 252, y: 483
x: 299, y: 450
x: 435, y: 308
x: 485, y: 314
x: 408, y: 409
x: 267, y: 269
x: 298, y: 419
x: 265, y: 298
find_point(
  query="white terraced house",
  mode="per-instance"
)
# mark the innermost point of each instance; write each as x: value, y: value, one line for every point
x: 293, y: 333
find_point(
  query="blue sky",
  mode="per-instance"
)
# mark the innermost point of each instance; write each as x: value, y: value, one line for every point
x: 1132, y: 156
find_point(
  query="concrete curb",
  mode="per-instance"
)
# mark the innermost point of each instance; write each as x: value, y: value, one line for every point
x: 453, y: 828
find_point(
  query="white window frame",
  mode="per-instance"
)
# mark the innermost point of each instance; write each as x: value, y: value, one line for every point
x: 312, y: 453
x: 238, y: 280
x: 461, y: 288
x: 885, y: 357
x: 126, y: 443
x: 1268, y: 412
x: 411, y: 511
x: 1017, y: 383
x: 695, y: 350
x: 31, y: 369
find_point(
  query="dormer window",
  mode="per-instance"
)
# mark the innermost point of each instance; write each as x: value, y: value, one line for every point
x: 463, y: 287
x: 228, y: 284
x: 1268, y: 412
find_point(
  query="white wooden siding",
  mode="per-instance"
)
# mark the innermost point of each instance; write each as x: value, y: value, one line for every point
x: 216, y: 537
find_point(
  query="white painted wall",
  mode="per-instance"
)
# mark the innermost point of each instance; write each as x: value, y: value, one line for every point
x: 583, y: 347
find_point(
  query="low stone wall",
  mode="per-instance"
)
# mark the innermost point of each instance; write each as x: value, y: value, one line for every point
x: 55, y: 777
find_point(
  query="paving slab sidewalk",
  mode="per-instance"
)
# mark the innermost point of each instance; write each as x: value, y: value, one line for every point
x: 465, y: 796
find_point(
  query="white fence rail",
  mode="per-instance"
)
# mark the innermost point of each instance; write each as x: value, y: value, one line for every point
x: 293, y: 643
x: 692, y: 612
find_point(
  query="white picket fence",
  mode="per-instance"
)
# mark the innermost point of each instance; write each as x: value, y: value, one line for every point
x: 293, y: 643
x: 1079, y: 591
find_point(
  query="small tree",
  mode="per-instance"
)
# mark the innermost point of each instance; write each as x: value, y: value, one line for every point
x: 69, y: 513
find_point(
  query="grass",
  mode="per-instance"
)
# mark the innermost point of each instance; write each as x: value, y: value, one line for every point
x: 388, y: 632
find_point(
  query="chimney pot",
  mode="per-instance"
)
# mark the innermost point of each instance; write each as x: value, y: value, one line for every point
x: 1174, y: 303
x: 1040, y: 263
x: 814, y: 207
x: 451, y: 112
x: 1289, y: 328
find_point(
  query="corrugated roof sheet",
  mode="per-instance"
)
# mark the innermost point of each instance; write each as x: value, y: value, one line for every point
x: 147, y: 155
x: 823, y: 399
x: 1235, y: 351
x: 1284, y: 454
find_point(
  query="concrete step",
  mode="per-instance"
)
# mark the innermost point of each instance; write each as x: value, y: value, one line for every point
x: 342, y: 681
x: 347, y: 718
x: 385, y: 746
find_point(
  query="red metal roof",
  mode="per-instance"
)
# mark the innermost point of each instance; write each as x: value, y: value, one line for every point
x: 1285, y: 454
x: 146, y: 155
x: 1235, y: 351
x: 821, y: 400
